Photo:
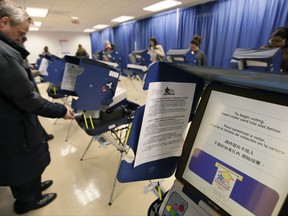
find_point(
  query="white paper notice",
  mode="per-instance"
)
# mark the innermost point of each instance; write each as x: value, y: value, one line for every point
x: 70, y: 75
x: 166, y: 116
x: 43, y: 67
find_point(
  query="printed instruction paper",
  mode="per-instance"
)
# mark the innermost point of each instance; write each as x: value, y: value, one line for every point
x: 165, y: 119
x: 43, y: 67
x: 71, y: 72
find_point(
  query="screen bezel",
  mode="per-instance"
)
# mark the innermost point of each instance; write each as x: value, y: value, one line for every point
x: 266, y: 96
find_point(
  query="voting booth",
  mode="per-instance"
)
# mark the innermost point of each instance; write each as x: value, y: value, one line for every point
x: 235, y: 154
x: 99, y: 104
x: 234, y: 159
x: 111, y: 57
x: 265, y: 59
x: 182, y: 56
x: 139, y: 63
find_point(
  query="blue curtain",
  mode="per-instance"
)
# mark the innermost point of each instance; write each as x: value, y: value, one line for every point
x: 98, y: 39
x: 187, y: 27
x: 228, y: 24
x: 124, y: 41
x: 224, y: 25
x: 162, y: 27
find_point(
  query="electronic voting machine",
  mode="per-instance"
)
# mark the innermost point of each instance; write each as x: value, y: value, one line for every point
x: 234, y: 160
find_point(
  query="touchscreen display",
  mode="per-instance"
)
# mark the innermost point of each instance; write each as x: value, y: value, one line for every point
x: 239, y: 158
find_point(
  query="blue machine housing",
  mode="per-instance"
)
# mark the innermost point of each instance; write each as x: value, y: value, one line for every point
x: 140, y: 57
x: 258, y: 59
x: 183, y: 56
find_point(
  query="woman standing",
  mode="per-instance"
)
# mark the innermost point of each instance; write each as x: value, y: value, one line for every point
x: 155, y: 50
x: 199, y: 55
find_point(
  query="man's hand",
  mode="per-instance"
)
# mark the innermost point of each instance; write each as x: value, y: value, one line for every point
x: 69, y: 115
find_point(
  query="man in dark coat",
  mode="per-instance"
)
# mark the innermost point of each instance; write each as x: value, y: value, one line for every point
x: 24, y: 153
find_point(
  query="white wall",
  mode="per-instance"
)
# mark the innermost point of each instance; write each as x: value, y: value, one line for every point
x: 38, y: 40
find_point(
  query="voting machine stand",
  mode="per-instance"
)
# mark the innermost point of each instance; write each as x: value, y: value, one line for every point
x: 100, y: 106
x: 185, y: 198
x: 262, y: 60
x: 161, y: 168
x: 103, y: 108
x: 139, y: 63
x: 51, y: 70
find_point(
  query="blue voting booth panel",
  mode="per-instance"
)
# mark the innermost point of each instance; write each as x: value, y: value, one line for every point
x: 55, y: 70
x: 182, y: 56
x: 152, y: 170
x: 95, y: 86
x: 262, y: 60
x: 140, y: 57
x: 158, y: 72
x: 139, y: 63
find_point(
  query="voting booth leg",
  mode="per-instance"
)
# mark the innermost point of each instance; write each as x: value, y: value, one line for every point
x: 87, y: 148
x: 123, y: 148
x: 123, y: 151
x: 138, y: 79
x: 68, y: 132
x: 131, y: 80
x: 115, y: 180
x: 55, y: 121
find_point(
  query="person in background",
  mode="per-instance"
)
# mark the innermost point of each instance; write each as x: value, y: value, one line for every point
x: 279, y: 39
x: 108, y: 49
x: 31, y: 74
x: 46, y: 51
x: 199, y: 55
x: 107, y: 46
x: 155, y: 50
x: 81, y: 52
x: 24, y: 153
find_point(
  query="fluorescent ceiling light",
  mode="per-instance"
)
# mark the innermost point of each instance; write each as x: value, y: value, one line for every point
x: 33, y: 29
x: 122, y: 19
x: 36, y: 24
x: 37, y: 12
x: 162, y: 5
x: 100, y: 26
x: 88, y: 30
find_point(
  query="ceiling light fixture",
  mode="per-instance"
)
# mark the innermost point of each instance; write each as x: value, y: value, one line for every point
x: 100, y: 26
x: 37, y: 12
x: 36, y: 24
x: 88, y: 30
x: 122, y: 19
x: 162, y: 5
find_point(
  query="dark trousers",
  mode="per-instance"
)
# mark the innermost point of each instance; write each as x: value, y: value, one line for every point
x: 28, y: 194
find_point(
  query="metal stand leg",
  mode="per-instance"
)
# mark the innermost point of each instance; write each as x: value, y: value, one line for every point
x: 115, y: 180
x: 87, y: 148
x: 122, y: 147
x: 55, y: 121
x: 68, y: 130
x: 131, y: 80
